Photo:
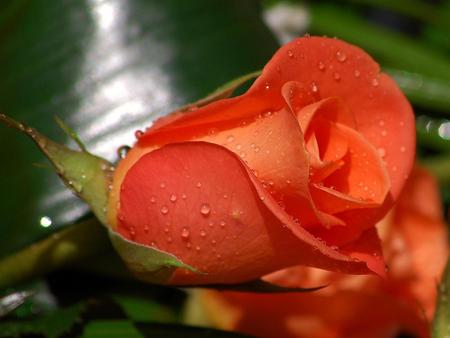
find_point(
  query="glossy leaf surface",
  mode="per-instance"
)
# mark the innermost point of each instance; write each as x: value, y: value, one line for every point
x: 106, y: 68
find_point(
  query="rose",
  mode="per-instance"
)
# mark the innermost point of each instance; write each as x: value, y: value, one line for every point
x: 295, y: 171
x: 416, y: 248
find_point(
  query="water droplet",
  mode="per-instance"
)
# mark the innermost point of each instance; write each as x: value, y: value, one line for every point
x: 164, y: 210
x: 267, y: 86
x: 185, y: 233
x: 243, y: 154
x: 394, y: 168
x: 381, y: 152
x: 314, y: 87
x: 383, y: 133
x: 402, y: 149
x: 166, y: 230
x: 212, y: 131
x: 340, y: 56
x: 169, y: 239
x: 138, y: 134
x: 183, y: 196
x: 198, y: 185
x: 123, y: 151
x: 375, y: 82
x: 257, y: 149
x: 238, y: 146
x: 202, y: 233
x: 153, y: 199
x: 337, y: 77
x: 222, y: 224
x: 211, y: 223
x: 225, y: 196
x: 230, y: 138
x: 219, y: 256
x: 381, y: 123
x: 173, y: 198
x: 268, y: 113
x: 162, y: 185
x: 290, y: 53
x: 197, y: 248
x: 262, y: 198
x: 321, y: 66
x: 357, y: 73
x: 205, y: 209
x: 213, y: 242
x: 146, y: 229
x: 45, y: 221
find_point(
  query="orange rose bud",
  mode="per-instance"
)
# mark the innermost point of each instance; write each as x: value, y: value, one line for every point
x: 295, y: 171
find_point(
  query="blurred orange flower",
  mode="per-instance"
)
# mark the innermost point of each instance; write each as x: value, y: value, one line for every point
x: 415, y: 247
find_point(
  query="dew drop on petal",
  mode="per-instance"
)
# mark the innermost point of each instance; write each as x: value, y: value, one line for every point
x: 381, y: 123
x: 230, y: 138
x: 198, y: 185
x: 146, y: 229
x: 183, y: 196
x: 290, y: 53
x: 164, y: 210
x: 337, y: 76
x: 185, y: 233
x: 197, y: 248
x: 381, y: 152
x: 205, y: 209
x: 222, y: 224
x: 162, y: 185
x: 402, y: 149
x: 375, y: 82
x: 173, y: 198
x: 153, y: 199
x: 123, y: 151
x: 357, y: 73
x: 383, y: 133
x: 314, y: 87
x: 138, y: 134
x: 340, y: 56
x: 321, y: 66
x: 202, y: 233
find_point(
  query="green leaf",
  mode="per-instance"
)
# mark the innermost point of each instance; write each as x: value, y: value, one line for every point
x: 143, y: 309
x: 106, y: 68
x: 12, y: 301
x: 422, y: 10
x: 392, y: 49
x: 422, y: 90
x: 124, y: 328
x: 441, y: 321
x: 51, y: 325
x: 87, y: 175
x: 67, y: 246
x: 145, y: 262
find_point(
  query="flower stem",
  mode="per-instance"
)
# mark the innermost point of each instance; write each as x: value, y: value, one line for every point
x: 67, y: 246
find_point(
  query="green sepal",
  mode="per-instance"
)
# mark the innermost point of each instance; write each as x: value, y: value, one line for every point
x: 145, y: 262
x: 87, y: 175
x: 223, y: 92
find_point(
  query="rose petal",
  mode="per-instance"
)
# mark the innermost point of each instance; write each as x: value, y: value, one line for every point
x: 229, y: 232
x: 333, y: 68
